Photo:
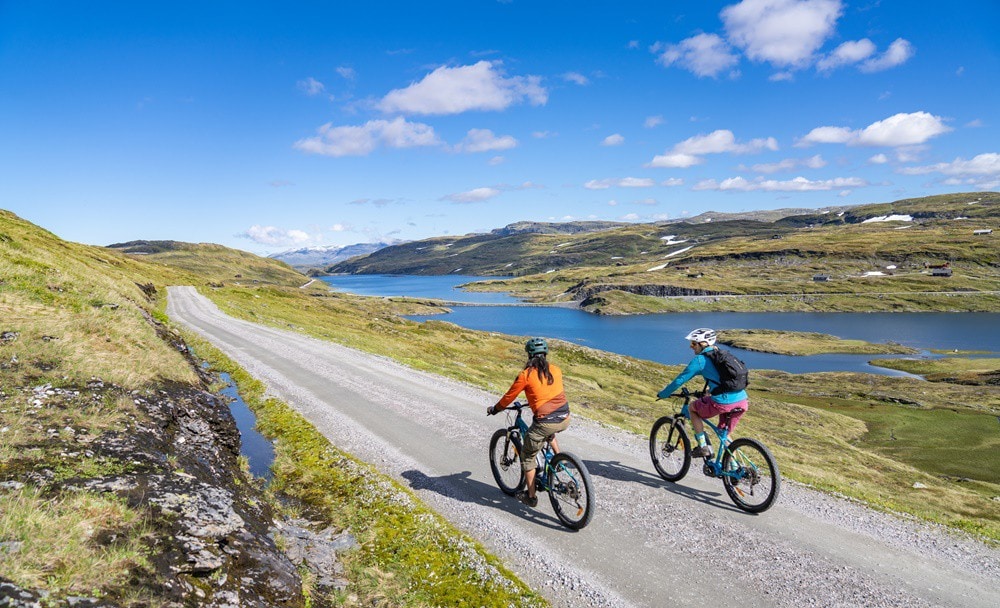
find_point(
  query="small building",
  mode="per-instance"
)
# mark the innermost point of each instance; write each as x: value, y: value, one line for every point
x: 821, y: 278
x: 983, y: 231
x: 941, y: 272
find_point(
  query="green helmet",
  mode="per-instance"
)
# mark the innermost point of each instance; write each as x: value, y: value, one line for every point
x: 535, y: 346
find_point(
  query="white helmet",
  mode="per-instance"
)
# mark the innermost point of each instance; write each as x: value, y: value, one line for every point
x: 702, y: 334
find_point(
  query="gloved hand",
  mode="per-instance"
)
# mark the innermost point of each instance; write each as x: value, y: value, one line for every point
x: 491, y: 410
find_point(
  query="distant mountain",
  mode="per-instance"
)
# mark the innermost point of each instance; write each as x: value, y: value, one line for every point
x: 321, y: 257
x: 526, y: 248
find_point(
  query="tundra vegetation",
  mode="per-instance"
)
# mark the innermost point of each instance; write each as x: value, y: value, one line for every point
x: 72, y: 313
x: 74, y: 317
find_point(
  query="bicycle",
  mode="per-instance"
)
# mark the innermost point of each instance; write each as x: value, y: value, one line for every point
x: 745, y: 466
x: 562, y: 475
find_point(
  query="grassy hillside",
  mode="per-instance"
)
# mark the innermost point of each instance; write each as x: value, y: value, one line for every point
x: 868, y: 265
x: 101, y: 419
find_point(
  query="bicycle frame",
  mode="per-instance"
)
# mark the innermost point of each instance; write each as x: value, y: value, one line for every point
x: 713, y: 467
x: 543, y: 465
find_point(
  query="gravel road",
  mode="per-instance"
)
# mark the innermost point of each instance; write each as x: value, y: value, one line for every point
x: 651, y: 543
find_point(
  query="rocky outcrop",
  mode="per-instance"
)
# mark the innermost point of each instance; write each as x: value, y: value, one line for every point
x: 586, y: 292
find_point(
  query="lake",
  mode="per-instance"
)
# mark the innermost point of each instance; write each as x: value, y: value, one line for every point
x: 660, y: 337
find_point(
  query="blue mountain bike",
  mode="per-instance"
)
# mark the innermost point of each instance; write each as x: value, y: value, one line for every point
x: 746, y: 468
x: 562, y: 475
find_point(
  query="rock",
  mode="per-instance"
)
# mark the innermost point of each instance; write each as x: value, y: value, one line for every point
x: 919, y: 486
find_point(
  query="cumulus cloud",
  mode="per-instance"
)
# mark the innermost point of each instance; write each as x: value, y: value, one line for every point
x: 798, y: 184
x: 982, y: 170
x: 789, y: 164
x: 620, y: 182
x: 897, y: 130
x: 453, y: 90
x: 899, y: 52
x: 690, y: 151
x: 613, y: 140
x: 476, y: 195
x: 483, y: 140
x: 879, y: 159
x: 274, y: 236
x: 850, y: 52
x: 784, y: 33
x: 673, y: 181
x: 310, y: 86
x: 703, y: 55
x: 363, y: 139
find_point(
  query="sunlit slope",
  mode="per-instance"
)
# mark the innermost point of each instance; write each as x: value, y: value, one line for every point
x: 890, y: 248
x: 214, y: 263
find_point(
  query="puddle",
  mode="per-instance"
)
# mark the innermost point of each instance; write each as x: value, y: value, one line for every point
x: 257, y: 449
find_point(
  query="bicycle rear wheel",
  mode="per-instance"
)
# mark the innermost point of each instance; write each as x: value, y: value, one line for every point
x: 670, y: 448
x: 505, y: 463
x: 570, y: 490
x: 750, y: 475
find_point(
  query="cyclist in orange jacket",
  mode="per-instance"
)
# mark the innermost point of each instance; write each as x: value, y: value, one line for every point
x: 542, y: 384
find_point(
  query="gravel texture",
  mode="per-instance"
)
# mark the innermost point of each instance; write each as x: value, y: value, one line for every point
x: 651, y: 542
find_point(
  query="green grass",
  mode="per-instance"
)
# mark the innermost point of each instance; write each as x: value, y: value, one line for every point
x: 801, y: 343
x: 408, y: 555
x: 815, y: 423
x: 73, y: 543
x: 983, y: 371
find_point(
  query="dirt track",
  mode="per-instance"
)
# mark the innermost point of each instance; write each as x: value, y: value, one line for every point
x: 651, y: 543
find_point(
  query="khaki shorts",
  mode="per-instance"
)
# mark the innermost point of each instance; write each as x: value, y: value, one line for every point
x: 536, y: 436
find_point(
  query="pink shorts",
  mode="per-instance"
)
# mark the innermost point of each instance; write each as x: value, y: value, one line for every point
x: 706, y: 407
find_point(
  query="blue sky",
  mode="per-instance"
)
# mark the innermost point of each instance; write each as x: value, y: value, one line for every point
x: 266, y: 126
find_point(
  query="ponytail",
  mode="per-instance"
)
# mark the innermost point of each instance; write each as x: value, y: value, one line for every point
x: 540, y: 364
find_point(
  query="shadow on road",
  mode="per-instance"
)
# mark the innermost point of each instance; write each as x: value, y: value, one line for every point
x: 614, y: 470
x: 461, y: 486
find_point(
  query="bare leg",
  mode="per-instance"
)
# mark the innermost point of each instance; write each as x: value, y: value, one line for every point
x: 529, y: 480
x: 555, y: 444
x: 696, y: 423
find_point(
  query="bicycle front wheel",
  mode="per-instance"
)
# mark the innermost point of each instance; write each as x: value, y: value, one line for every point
x: 750, y: 475
x: 505, y: 462
x: 670, y: 448
x: 570, y: 490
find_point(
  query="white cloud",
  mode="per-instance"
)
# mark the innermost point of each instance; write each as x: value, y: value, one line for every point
x: 674, y: 161
x: 483, y: 140
x: 476, y: 195
x: 788, y: 164
x: 576, y: 78
x: 798, y: 184
x: 784, y: 33
x: 897, y: 130
x: 310, y: 86
x: 362, y: 140
x: 899, y: 52
x: 652, y: 121
x: 481, y: 86
x: 879, y: 159
x: 982, y: 170
x: 613, y: 140
x: 703, y: 55
x: 723, y: 140
x: 847, y: 53
x: 542, y: 134
x: 346, y: 72
x: 272, y: 235
x: 340, y: 228
x: 673, y: 181
x: 620, y: 182
x: 646, y: 201
x: 496, y: 160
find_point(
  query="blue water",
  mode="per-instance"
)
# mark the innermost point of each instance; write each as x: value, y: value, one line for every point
x: 660, y: 337
x: 257, y: 449
x: 437, y: 287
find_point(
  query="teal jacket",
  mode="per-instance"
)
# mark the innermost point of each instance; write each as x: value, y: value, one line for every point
x: 702, y: 366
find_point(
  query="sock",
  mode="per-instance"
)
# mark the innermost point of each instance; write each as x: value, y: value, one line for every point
x: 700, y: 438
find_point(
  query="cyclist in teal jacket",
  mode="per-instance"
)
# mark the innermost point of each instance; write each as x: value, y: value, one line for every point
x: 708, y: 406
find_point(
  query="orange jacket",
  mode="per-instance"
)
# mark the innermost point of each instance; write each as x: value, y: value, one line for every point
x: 543, y: 398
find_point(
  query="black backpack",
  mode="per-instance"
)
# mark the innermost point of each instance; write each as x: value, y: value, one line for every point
x: 733, y: 374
